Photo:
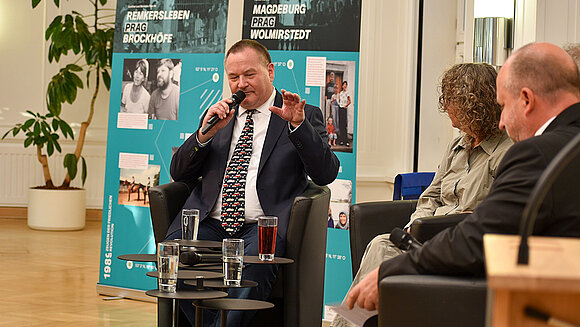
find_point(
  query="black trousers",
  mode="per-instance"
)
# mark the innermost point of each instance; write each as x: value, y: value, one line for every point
x: 342, y: 123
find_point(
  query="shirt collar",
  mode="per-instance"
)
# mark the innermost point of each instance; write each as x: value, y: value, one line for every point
x: 488, y: 145
x: 264, y: 108
x: 541, y: 130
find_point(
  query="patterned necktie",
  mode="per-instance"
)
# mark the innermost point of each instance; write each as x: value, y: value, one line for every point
x: 234, y: 186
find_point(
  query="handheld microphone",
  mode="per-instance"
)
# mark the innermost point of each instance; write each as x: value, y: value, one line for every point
x: 236, y: 98
x: 404, y: 240
x: 191, y: 258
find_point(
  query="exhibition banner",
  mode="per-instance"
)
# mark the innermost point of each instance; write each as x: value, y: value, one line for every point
x: 315, y: 49
x: 167, y: 69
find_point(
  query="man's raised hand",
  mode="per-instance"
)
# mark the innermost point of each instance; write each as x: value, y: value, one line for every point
x: 292, y: 109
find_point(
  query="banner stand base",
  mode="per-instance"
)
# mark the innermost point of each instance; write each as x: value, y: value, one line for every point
x: 126, y: 293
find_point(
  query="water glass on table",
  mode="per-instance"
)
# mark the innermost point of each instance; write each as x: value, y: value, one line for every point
x: 167, y: 263
x: 189, y: 224
x: 267, y: 228
x: 233, y: 259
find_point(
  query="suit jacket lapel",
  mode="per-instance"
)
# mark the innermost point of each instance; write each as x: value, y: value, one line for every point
x: 275, y: 128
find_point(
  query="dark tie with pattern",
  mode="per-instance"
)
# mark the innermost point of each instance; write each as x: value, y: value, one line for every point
x: 234, y: 186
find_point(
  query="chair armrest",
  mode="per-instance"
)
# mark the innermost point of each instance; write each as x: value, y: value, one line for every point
x: 423, y: 229
x: 427, y: 300
x: 165, y: 201
x: 370, y: 219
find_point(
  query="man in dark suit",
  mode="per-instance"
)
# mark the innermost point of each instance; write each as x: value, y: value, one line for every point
x: 288, y: 143
x: 539, y: 91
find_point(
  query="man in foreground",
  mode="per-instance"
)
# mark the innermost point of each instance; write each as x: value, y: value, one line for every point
x: 539, y: 90
x: 284, y: 147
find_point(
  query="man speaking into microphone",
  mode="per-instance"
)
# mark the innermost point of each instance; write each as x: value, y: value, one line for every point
x: 253, y: 162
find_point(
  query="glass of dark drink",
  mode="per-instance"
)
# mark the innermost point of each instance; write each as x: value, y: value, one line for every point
x: 267, y: 228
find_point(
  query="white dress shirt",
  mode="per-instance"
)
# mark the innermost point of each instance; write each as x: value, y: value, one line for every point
x: 541, y: 130
x: 261, y: 117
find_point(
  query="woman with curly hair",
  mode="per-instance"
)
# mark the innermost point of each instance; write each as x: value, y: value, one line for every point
x: 468, y: 167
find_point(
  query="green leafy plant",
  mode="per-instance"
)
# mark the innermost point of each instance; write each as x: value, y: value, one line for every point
x: 90, y: 47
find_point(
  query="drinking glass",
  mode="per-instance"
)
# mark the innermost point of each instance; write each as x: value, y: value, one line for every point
x: 233, y: 259
x: 189, y: 224
x: 167, y: 263
x: 267, y: 228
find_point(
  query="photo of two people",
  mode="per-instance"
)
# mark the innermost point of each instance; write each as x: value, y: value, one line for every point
x: 337, y: 104
x: 151, y: 86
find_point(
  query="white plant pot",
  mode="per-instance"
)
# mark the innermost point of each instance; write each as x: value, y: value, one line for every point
x: 56, y: 209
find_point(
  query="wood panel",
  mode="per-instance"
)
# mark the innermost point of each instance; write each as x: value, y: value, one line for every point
x: 49, y: 279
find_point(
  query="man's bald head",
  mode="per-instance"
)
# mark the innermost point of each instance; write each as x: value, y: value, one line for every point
x: 544, y: 68
x: 537, y: 83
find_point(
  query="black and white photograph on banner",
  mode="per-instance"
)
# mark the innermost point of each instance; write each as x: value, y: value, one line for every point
x: 327, y: 25
x: 136, y: 86
x: 340, y: 199
x: 134, y: 185
x: 176, y: 26
x: 165, y: 87
x: 337, y: 104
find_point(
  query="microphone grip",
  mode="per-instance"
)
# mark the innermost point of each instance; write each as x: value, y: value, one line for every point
x: 211, y: 122
x: 189, y: 258
x: 404, y: 240
x: 236, y: 98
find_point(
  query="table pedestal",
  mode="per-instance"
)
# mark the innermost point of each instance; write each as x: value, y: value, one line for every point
x: 167, y: 314
x: 225, y: 305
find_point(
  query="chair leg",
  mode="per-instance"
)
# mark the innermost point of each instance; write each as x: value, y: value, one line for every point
x: 175, y: 313
x: 224, y: 318
x: 165, y: 312
x: 198, y: 316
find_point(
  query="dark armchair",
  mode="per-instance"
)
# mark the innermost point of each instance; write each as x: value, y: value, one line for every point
x: 299, y: 290
x: 427, y: 300
x: 441, y: 300
x: 370, y: 219
x: 165, y: 201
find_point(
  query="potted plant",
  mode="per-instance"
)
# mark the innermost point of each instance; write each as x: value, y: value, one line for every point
x: 88, y: 49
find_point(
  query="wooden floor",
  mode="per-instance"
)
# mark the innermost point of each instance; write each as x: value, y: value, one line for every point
x: 50, y: 278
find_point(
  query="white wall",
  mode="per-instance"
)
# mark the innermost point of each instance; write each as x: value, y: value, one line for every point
x: 439, y: 47
x: 555, y: 21
x: 21, y: 45
x: 25, y: 74
x: 386, y: 92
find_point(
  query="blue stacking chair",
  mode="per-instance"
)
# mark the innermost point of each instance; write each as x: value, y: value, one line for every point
x: 410, y: 186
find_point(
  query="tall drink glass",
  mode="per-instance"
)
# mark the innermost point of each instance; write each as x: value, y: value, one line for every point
x: 189, y: 224
x: 233, y: 259
x: 267, y: 228
x: 167, y: 263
